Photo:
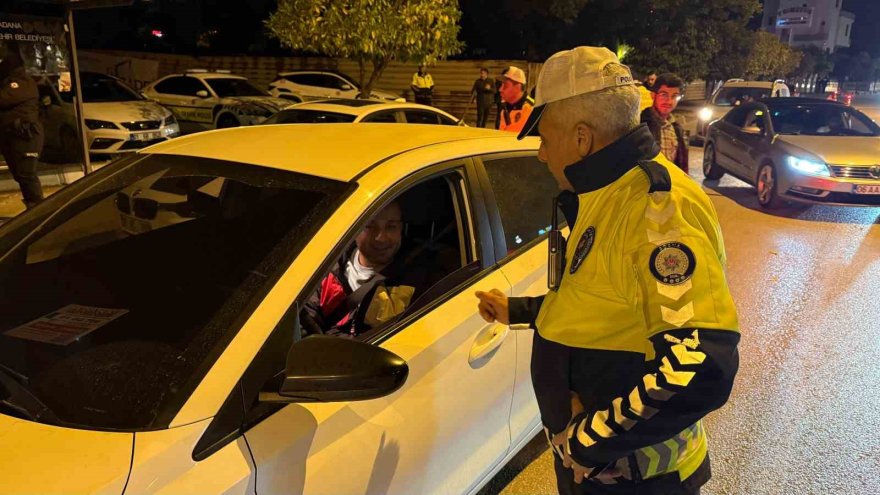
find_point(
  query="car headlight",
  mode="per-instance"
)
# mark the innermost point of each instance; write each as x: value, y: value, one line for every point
x: 809, y: 166
x: 100, y: 124
x: 706, y: 114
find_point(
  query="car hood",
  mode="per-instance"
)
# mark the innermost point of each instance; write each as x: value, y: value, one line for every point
x: 839, y: 150
x: 385, y: 95
x: 38, y: 458
x: 269, y: 103
x: 125, y: 111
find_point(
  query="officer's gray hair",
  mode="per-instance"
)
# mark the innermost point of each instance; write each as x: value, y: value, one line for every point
x: 610, y: 113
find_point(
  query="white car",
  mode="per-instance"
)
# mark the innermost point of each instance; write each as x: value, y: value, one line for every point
x: 304, y: 85
x: 735, y: 92
x: 341, y: 111
x: 117, y: 119
x: 172, y: 360
x: 204, y: 100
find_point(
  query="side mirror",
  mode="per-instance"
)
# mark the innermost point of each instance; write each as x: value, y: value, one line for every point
x: 347, y: 87
x: 322, y: 368
x: 202, y: 93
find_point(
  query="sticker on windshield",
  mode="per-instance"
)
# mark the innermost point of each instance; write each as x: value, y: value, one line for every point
x: 66, y: 325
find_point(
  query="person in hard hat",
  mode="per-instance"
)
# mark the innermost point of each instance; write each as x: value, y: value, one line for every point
x: 636, y: 340
x: 516, y: 103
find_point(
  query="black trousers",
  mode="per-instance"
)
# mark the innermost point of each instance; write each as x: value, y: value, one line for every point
x: 664, y: 485
x: 424, y: 100
x: 22, y: 154
x: 483, y: 111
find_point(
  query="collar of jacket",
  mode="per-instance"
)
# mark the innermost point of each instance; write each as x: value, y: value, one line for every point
x: 521, y: 103
x: 613, y: 161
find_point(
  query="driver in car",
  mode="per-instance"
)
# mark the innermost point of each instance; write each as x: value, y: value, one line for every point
x: 370, y: 285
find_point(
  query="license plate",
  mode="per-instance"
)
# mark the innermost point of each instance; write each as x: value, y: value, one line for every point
x: 134, y: 225
x: 867, y: 190
x: 145, y: 136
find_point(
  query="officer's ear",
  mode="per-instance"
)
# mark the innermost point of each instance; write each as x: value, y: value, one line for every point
x: 584, y: 139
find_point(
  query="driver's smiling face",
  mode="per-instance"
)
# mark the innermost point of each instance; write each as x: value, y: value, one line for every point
x: 380, y: 240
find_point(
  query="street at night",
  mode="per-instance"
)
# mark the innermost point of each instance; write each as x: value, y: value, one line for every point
x: 440, y: 247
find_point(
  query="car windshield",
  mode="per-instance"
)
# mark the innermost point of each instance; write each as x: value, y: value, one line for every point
x: 119, y: 292
x: 231, y: 87
x: 102, y: 89
x: 821, y: 120
x: 732, y: 96
x: 309, y: 117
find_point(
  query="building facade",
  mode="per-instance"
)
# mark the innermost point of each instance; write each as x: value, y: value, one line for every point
x: 801, y: 23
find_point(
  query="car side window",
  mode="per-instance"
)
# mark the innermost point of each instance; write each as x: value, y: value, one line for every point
x: 296, y: 78
x: 523, y: 190
x: 437, y: 242
x: 181, y: 85
x: 755, y: 118
x: 421, y: 117
x: 387, y: 116
x: 337, y: 82
x: 736, y: 117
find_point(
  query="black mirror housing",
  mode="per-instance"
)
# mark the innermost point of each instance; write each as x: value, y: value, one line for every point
x: 322, y: 368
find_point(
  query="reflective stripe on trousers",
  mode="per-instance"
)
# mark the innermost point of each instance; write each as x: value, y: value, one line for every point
x: 673, y: 454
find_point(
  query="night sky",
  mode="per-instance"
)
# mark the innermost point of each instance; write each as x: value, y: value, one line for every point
x: 866, y: 30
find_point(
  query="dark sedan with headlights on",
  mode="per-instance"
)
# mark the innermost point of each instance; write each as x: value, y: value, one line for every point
x: 799, y: 149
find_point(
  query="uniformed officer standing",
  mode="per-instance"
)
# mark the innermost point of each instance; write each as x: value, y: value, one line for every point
x: 21, y: 134
x: 637, y: 339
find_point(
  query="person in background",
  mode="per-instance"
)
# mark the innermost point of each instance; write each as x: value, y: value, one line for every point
x: 650, y: 81
x: 21, y: 133
x: 483, y: 91
x: 423, y: 86
x: 662, y: 123
x: 498, y: 103
x: 517, y: 105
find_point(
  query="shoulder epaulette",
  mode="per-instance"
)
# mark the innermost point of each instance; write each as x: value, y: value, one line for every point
x: 657, y: 175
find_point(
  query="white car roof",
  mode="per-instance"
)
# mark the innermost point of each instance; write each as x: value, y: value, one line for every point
x: 207, y: 75
x: 335, y: 151
x: 361, y: 107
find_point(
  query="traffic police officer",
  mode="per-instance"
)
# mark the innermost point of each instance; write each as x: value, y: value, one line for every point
x: 21, y: 134
x: 423, y: 86
x: 637, y: 339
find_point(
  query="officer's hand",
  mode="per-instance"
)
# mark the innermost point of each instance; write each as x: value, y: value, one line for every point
x: 493, y: 306
x: 580, y: 472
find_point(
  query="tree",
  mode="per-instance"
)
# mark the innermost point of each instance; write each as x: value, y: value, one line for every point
x: 771, y: 59
x: 372, y: 32
x: 814, y: 62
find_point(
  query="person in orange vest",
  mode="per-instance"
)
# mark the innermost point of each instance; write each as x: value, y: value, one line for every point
x: 516, y: 103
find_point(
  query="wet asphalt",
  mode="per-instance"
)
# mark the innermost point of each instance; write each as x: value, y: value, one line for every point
x: 804, y: 416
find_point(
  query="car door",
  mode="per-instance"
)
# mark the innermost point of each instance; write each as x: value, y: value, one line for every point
x: 319, y: 85
x: 447, y: 428
x: 754, y: 140
x: 519, y: 195
x: 180, y: 94
x: 725, y: 137
x: 344, y: 88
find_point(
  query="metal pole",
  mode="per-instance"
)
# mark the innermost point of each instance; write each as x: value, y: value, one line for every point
x: 77, y: 88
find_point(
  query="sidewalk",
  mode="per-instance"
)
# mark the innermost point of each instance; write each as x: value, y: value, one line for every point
x: 11, y: 204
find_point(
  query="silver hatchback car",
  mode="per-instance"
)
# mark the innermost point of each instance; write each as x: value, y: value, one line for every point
x: 799, y: 149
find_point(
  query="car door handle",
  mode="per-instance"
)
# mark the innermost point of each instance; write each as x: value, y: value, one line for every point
x: 488, y: 339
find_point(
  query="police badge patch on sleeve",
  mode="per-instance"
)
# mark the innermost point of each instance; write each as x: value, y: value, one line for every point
x: 583, y: 249
x: 672, y: 263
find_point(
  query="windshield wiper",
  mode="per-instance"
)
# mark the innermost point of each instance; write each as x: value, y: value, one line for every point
x: 21, y: 401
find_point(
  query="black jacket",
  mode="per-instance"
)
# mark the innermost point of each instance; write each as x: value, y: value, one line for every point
x: 652, y: 119
x: 19, y: 101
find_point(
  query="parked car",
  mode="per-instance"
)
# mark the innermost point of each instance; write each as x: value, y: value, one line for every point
x: 846, y: 98
x: 361, y: 111
x: 117, y: 118
x: 171, y: 359
x: 733, y: 93
x: 799, y: 149
x: 304, y: 85
x: 204, y: 100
